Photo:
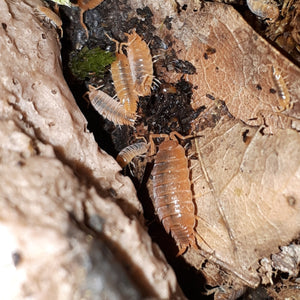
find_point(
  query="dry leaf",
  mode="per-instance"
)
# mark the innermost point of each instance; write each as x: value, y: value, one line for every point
x: 246, y: 183
x: 233, y: 63
x: 247, y: 195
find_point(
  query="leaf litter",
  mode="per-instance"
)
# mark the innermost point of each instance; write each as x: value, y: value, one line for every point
x: 246, y: 165
x: 248, y: 161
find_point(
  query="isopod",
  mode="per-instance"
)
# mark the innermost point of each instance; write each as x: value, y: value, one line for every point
x: 265, y: 9
x: 126, y: 155
x: 141, y: 65
x: 172, y: 194
x: 110, y: 108
x: 284, y: 95
x: 124, y: 85
x: 54, y: 19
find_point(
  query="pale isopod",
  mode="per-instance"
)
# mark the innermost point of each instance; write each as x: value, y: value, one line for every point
x: 141, y: 65
x: 52, y: 16
x: 128, y: 153
x: 284, y: 95
x: 172, y: 194
x: 110, y: 108
x: 265, y: 9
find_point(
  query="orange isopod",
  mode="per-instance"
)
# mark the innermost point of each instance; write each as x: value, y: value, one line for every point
x: 172, y: 194
x: 124, y: 85
x: 110, y: 108
x: 141, y: 65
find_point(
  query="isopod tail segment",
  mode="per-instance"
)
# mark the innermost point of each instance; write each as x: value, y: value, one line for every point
x: 172, y: 192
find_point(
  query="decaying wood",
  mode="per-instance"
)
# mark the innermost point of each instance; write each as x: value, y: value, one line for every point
x: 63, y: 201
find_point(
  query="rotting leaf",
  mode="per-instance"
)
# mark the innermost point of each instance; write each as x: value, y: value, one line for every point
x: 246, y: 183
x: 243, y: 195
x: 238, y: 70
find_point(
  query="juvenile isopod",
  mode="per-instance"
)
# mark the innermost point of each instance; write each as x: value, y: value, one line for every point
x: 141, y: 65
x: 110, y: 108
x: 126, y: 155
x: 54, y: 19
x: 284, y: 95
x: 265, y: 9
x: 124, y: 85
x: 172, y: 194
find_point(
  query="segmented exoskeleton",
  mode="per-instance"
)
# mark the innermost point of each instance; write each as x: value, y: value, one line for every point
x: 110, y: 108
x: 124, y: 85
x: 265, y: 9
x: 284, y: 95
x: 141, y: 65
x: 128, y: 153
x: 173, y: 199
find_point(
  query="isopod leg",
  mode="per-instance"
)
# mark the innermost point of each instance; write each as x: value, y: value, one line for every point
x: 175, y: 134
x: 82, y: 23
x: 181, y: 251
x: 144, y: 81
x: 118, y: 45
x: 152, y: 144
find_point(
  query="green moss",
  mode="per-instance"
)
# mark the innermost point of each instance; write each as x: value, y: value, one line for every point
x: 89, y: 63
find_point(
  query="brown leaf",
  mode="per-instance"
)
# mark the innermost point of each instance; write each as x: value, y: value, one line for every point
x: 246, y: 183
x: 243, y: 195
x: 233, y: 63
